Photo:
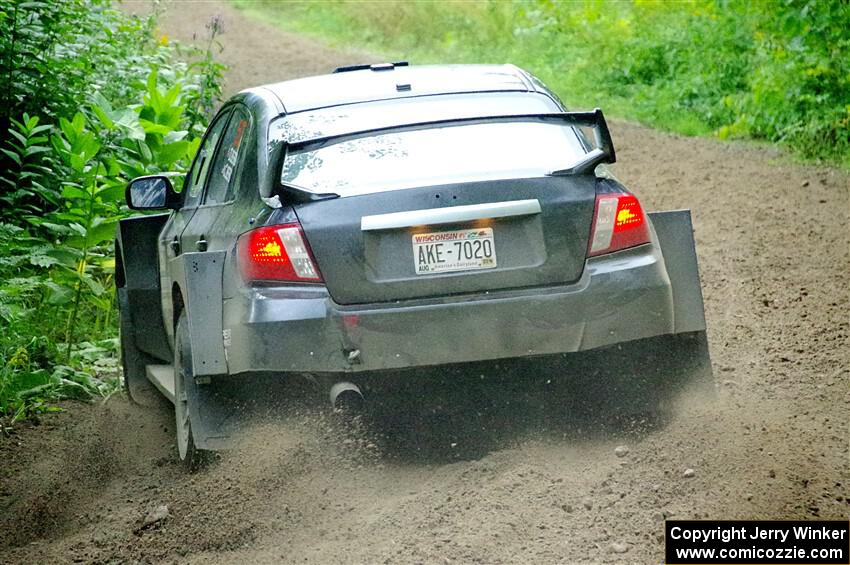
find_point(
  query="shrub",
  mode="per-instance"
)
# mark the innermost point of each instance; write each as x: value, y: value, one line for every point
x: 90, y: 100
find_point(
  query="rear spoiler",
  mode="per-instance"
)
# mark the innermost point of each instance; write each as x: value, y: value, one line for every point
x: 603, y: 152
x: 594, y: 120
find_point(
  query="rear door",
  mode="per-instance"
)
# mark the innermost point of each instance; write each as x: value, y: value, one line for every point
x: 207, y: 231
x: 171, y: 243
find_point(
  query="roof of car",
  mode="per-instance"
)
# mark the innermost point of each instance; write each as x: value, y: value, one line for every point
x: 382, y: 82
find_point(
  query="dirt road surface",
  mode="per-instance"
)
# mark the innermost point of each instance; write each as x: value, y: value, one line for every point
x: 773, y: 246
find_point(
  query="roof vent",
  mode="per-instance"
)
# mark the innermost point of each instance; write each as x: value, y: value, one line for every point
x: 373, y: 67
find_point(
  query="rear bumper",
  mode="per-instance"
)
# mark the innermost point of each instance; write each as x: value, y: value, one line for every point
x: 620, y: 297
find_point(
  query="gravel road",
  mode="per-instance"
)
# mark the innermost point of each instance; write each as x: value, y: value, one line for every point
x: 88, y: 485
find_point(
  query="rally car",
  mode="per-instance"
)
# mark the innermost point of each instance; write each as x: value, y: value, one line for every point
x: 389, y: 216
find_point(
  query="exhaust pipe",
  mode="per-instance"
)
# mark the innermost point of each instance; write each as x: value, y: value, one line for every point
x: 346, y: 396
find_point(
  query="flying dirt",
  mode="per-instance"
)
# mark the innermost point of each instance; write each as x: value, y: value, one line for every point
x: 446, y: 481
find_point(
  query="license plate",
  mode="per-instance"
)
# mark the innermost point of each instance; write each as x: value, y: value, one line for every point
x: 447, y: 251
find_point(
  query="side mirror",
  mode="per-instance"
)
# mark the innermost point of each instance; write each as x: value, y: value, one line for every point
x: 154, y: 192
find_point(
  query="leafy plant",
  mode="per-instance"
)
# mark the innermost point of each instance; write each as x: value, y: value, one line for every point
x: 25, y: 391
x: 101, y: 154
x: 91, y: 100
x: 202, y: 99
x: 24, y: 181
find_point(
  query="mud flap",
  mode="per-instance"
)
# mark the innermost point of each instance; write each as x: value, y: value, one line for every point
x: 202, y: 281
x: 676, y: 236
x: 137, y: 277
x: 214, y: 413
x: 210, y: 410
x: 133, y: 361
x: 675, y: 233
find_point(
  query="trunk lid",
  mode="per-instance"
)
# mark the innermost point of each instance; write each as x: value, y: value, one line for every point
x: 367, y: 251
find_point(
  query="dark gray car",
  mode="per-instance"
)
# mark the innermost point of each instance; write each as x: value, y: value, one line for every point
x: 386, y: 217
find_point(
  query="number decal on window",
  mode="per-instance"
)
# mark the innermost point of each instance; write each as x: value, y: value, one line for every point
x: 233, y: 152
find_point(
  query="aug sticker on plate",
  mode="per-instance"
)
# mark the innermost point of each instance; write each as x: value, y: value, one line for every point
x: 460, y: 250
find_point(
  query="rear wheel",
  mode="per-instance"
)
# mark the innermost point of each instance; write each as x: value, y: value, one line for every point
x: 191, y: 457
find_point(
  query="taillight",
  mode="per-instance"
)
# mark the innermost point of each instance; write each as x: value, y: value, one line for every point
x: 276, y: 253
x: 618, y: 223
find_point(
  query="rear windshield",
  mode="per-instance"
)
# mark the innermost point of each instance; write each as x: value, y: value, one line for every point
x: 428, y: 157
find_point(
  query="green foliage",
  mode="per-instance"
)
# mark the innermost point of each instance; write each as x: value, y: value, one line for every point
x: 778, y: 71
x: 202, y: 98
x: 30, y: 376
x: 26, y: 148
x: 55, y: 53
x: 92, y: 100
x: 27, y: 389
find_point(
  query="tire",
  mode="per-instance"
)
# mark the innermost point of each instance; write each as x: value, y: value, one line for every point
x: 190, y: 456
x: 133, y: 361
